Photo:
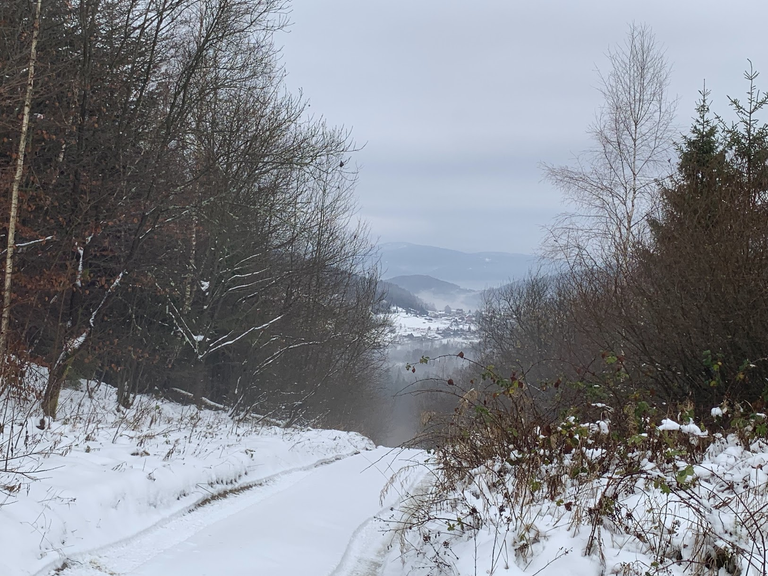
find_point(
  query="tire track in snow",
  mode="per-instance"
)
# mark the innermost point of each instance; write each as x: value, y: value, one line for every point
x: 128, y: 553
x: 369, y: 545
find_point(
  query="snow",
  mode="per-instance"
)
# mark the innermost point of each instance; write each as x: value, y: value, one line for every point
x: 162, y: 489
x: 304, y: 528
x: 667, y: 519
x: 669, y: 425
x: 601, y: 426
x: 690, y: 428
x: 99, y: 476
x: 80, y: 252
x: 422, y: 326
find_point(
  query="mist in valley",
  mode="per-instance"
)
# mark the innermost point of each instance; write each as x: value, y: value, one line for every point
x: 408, y: 383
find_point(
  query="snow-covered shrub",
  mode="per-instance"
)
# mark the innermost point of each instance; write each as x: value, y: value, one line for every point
x: 632, y: 490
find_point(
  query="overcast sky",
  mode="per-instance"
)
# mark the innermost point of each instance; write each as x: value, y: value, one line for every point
x: 457, y: 103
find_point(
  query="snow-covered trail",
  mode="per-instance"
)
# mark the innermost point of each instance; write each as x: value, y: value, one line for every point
x: 308, y: 522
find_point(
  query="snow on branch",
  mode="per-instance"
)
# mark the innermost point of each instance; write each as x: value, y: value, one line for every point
x: 223, y: 342
x: 110, y: 290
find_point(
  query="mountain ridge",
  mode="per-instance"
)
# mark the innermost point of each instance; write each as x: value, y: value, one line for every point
x: 473, y: 270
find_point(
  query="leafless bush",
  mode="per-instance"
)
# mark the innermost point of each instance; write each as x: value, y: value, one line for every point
x: 628, y: 472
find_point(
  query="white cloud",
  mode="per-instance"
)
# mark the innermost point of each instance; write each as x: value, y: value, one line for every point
x: 459, y: 102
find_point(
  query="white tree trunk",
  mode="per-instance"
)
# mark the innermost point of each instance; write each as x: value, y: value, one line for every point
x: 12, y: 217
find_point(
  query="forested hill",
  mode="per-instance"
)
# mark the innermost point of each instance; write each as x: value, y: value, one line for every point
x: 181, y: 222
x: 475, y: 271
x: 394, y: 295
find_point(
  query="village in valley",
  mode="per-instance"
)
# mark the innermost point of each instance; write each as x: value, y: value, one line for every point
x: 446, y: 324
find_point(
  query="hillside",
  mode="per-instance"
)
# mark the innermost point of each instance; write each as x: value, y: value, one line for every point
x: 162, y: 489
x: 476, y: 271
x: 438, y: 292
x: 395, y: 294
x: 421, y: 282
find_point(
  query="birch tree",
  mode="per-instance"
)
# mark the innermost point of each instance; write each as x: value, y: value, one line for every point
x: 613, y: 188
x: 14, y: 193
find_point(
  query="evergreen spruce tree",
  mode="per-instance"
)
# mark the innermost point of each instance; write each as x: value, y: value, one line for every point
x: 702, y: 277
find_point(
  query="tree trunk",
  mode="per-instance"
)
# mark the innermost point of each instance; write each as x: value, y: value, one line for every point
x: 56, y: 378
x: 12, y: 217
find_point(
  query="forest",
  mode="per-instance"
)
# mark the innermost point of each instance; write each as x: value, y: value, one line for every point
x: 178, y: 223
x: 176, y: 219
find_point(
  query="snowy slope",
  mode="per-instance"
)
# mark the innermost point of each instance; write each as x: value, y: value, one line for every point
x: 98, y: 475
x: 166, y: 490
x: 665, y: 519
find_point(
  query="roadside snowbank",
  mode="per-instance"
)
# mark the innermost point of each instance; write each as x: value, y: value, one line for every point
x: 100, y: 474
x: 670, y: 517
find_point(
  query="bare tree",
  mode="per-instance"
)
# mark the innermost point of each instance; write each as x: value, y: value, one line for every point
x: 128, y: 174
x: 613, y: 186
